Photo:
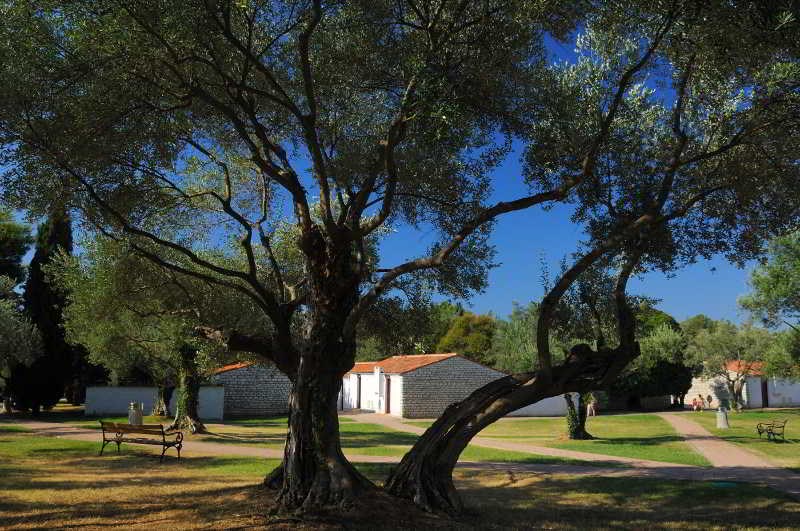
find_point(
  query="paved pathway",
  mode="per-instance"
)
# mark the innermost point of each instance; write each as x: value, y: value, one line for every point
x: 730, y: 462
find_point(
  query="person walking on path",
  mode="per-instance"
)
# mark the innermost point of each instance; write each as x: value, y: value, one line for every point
x: 591, y: 406
x: 701, y: 402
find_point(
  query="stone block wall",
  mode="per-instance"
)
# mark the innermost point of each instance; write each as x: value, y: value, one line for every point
x: 254, y: 391
x: 428, y: 390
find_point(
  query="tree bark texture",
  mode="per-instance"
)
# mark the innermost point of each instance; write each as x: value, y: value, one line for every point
x: 186, y: 410
x: 576, y: 418
x: 161, y: 405
x: 736, y: 388
x: 425, y: 473
x: 316, y: 475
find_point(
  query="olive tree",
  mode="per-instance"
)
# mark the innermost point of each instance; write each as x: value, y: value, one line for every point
x: 129, y: 313
x: 231, y: 119
x: 775, y: 283
x: 732, y: 354
x: 332, y: 112
x: 710, y: 168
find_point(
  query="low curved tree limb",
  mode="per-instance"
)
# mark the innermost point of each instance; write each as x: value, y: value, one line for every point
x: 425, y: 473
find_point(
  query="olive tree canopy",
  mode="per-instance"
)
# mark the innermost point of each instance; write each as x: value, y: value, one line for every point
x: 189, y: 127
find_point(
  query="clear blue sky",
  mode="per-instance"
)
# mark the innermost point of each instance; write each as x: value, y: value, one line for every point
x: 524, y: 239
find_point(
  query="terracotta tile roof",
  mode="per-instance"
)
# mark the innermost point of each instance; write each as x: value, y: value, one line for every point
x: 232, y: 367
x: 401, y: 364
x: 393, y: 365
x: 756, y: 368
x: 364, y: 366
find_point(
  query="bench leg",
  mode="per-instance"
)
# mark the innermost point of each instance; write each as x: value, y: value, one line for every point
x: 163, y: 451
x: 118, y: 447
x: 179, y: 451
x: 104, y: 446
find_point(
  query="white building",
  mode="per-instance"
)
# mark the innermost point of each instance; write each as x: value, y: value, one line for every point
x: 115, y: 400
x: 759, y: 391
x: 423, y: 385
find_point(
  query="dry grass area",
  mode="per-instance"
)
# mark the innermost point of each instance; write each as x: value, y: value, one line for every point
x: 51, y: 483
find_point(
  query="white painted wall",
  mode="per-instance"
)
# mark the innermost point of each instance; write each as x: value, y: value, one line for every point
x: 751, y: 394
x: 379, y: 404
x: 702, y: 386
x: 396, y: 395
x: 783, y: 393
x: 347, y: 399
x: 370, y: 399
x: 115, y: 400
x: 555, y: 406
x: 369, y: 392
x: 210, y: 404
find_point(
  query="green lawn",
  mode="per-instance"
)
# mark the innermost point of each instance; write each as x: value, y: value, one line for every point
x: 361, y: 438
x: 50, y: 483
x: 743, y: 432
x: 639, y: 436
x: 12, y: 428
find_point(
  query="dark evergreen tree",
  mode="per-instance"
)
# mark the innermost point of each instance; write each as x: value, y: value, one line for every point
x: 19, y: 339
x: 62, y: 366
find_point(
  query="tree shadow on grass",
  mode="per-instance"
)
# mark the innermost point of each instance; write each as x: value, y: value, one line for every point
x: 366, y: 438
x: 243, y: 438
x: 624, y: 503
x: 639, y: 441
x: 744, y: 439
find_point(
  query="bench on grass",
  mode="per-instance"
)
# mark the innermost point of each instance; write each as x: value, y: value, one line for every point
x: 118, y: 433
x: 773, y: 429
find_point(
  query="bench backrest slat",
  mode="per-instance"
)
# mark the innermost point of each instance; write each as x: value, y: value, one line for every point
x: 145, y: 429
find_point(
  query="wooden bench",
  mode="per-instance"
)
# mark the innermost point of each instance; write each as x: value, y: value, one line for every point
x: 773, y: 429
x: 118, y: 432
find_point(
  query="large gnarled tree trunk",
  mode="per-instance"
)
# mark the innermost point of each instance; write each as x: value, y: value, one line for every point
x: 425, y: 474
x: 315, y: 473
x: 186, y: 411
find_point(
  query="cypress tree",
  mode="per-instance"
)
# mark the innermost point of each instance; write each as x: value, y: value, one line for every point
x: 44, y: 382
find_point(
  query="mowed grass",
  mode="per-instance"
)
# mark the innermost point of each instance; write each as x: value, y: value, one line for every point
x: 743, y: 432
x: 637, y: 436
x: 12, y: 428
x: 362, y: 438
x: 52, y: 483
